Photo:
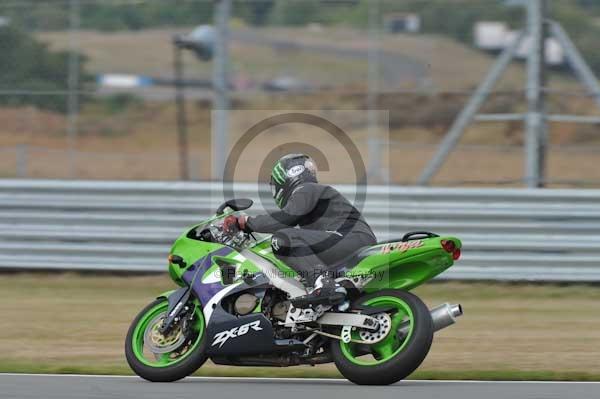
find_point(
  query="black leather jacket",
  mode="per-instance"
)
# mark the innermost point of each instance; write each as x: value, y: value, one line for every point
x: 313, y: 206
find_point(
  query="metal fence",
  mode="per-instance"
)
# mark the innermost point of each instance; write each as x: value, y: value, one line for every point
x: 508, y: 234
x: 83, y: 81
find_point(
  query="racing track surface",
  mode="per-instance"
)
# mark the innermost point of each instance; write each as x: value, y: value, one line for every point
x: 25, y: 386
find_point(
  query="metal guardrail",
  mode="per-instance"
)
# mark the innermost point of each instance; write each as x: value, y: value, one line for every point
x: 508, y: 234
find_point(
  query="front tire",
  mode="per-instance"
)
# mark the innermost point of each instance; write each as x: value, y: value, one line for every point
x: 170, y: 366
x: 396, y: 356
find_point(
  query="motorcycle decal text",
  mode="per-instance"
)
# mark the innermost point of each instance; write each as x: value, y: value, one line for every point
x: 223, y: 336
x: 401, y: 246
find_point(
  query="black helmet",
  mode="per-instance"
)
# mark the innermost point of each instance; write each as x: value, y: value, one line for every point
x: 289, y: 172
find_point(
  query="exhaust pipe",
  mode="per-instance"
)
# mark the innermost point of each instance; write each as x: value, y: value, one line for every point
x: 442, y: 316
x: 445, y: 315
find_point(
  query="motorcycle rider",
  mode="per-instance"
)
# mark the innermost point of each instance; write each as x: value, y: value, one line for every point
x: 316, y: 226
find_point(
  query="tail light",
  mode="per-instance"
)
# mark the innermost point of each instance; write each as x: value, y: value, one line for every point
x: 450, y: 247
x: 456, y: 254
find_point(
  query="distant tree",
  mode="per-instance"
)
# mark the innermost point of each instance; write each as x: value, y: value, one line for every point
x: 114, y: 16
x: 454, y: 18
x: 582, y: 29
x: 593, y: 5
x: 295, y: 12
x: 27, y: 67
x: 254, y: 12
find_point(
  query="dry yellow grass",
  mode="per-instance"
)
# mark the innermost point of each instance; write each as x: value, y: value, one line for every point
x: 141, y: 141
x: 74, y: 322
x: 450, y: 65
x: 525, y: 328
x: 149, y: 52
x: 124, y: 158
x: 142, y: 52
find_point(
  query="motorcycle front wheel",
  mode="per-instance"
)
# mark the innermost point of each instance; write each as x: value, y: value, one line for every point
x: 399, y: 347
x: 159, y: 358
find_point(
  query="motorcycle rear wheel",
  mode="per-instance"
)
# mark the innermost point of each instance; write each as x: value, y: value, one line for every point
x: 175, y: 363
x: 396, y: 356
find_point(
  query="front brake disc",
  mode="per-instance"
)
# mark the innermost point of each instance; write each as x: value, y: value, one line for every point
x: 159, y: 343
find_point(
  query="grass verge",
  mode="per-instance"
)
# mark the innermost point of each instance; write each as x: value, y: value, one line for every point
x: 69, y: 323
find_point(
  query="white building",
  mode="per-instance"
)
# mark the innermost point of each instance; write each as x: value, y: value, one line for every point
x: 495, y: 36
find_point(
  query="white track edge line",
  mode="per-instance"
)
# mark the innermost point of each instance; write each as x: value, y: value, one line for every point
x: 293, y: 379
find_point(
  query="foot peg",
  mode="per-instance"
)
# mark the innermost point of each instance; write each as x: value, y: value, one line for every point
x: 327, y: 293
x: 310, y: 300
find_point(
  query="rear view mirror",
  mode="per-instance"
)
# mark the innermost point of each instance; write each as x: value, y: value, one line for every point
x: 238, y: 204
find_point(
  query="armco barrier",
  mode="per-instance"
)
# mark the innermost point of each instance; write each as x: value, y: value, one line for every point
x: 508, y: 234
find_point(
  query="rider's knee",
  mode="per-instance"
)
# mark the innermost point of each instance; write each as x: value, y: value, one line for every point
x: 280, y: 244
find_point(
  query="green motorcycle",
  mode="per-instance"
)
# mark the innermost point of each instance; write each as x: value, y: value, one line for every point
x: 234, y: 308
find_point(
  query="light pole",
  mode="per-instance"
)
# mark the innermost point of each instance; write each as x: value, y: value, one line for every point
x: 201, y: 42
x: 73, y: 84
x: 374, y: 170
x: 182, y: 141
x: 221, y: 89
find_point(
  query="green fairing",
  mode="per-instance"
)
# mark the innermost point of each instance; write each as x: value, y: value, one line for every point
x: 398, y: 269
x: 405, y: 269
x: 264, y: 249
x: 192, y: 250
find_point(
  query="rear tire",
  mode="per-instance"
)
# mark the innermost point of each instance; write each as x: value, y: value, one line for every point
x: 400, y: 362
x: 178, y: 370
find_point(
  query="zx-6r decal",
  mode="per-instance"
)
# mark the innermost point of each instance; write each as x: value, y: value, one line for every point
x: 223, y: 336
x: 401, y: 246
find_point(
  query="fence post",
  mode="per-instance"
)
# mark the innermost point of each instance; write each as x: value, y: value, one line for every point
x: 73, y: 83
x: 21, y: 160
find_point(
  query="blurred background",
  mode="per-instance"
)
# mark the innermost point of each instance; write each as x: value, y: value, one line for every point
x: 87, y: 87
x: 122, y: 100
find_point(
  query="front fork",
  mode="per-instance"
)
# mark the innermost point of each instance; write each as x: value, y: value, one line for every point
x: 178, y: 300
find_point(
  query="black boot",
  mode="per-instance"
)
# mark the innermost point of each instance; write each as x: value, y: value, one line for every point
x: 326, y: 292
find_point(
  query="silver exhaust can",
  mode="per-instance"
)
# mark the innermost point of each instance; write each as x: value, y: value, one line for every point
x: 442, y: 316
x: 445, y: 315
